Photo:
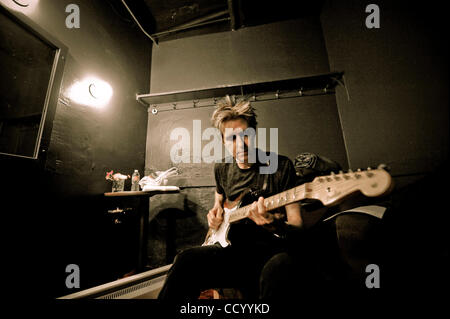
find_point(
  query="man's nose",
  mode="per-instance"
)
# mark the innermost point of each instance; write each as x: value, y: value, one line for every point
x: 242, y: 142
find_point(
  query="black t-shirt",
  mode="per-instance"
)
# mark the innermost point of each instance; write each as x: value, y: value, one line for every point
x: 232, y: 181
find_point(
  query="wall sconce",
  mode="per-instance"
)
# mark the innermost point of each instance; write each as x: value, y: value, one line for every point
x: 24, y: 6
x: 91, y: 91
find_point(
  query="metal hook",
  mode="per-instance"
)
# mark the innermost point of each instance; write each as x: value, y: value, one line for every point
x: 152, y: 109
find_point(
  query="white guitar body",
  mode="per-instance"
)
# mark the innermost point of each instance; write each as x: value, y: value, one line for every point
x: 221, y: 234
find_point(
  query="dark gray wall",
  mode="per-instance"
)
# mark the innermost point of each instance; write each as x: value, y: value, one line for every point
x: 61, y: 219
x: 397, y: 81
x: 255, y: 54
x: 306, y: 124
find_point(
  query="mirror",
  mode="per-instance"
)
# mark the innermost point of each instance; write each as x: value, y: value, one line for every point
x: 28, y: 64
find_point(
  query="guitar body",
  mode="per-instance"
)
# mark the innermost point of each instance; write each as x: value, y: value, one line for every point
x: 221, y: 235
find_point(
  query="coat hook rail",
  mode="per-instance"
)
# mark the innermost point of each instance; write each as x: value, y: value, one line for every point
x: 293, y: 87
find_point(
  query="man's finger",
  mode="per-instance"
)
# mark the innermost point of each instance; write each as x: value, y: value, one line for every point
x: 261, y: 207
x: 219, y: 212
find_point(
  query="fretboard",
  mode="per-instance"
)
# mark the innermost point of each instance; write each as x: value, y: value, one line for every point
x: 328, y: 189
x: 273, y: 202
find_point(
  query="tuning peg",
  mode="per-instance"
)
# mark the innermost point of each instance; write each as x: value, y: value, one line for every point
x: 335, y: 177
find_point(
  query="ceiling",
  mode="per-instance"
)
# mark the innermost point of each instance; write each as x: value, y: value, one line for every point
x: 171, y: 19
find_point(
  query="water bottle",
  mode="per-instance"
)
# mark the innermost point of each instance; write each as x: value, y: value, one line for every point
x: 135, y: 178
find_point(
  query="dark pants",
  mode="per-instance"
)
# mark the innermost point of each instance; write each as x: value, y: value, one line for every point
x: 267, y: 268
x: 331, y: 255
x: 206, y: 267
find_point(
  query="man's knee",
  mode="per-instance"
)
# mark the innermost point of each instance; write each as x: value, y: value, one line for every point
x: 185, y: 257
x: 277, y: 265
x: 276, y: 276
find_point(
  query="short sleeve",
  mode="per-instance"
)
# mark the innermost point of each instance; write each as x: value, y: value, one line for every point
x: 218, y: 178
x: 288, y: 175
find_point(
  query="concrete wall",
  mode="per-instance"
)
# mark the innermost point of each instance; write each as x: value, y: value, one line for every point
x: 397, y: 81
x: 255, y: 54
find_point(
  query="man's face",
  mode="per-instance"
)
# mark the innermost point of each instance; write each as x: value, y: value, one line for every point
x: 235, y: 140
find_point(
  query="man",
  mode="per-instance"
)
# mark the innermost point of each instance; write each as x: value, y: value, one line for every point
x: 257, y: 242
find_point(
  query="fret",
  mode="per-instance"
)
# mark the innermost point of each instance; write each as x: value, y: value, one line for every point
x: 292, y: 196
x: 236, y: 215
x: 300, y: 192
x: 267, y: 203
x: 242, y: 212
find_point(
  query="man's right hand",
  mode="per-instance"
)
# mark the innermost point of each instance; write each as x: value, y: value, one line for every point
x: 215, y: 217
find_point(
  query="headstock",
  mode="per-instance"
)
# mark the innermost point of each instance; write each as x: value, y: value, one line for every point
x: 335, y: 187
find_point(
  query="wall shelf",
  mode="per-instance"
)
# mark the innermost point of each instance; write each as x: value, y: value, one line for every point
x: 324, y: 82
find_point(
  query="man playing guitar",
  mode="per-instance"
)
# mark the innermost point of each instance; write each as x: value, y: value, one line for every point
x: 256, y: 241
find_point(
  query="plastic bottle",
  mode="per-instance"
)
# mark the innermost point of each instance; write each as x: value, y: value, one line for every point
x: 135, y: 178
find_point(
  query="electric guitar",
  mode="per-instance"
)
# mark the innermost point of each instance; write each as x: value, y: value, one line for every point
x: 330, y: 190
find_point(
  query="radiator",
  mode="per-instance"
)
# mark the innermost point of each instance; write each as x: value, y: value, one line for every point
x: 145, y: 285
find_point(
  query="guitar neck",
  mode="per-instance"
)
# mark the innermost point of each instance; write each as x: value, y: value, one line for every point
x: 330, y: 190
x: 273, y: 202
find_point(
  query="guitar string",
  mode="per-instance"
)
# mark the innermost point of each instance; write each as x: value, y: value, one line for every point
x: 336, y: 180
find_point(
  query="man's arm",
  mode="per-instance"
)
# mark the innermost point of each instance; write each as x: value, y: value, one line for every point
x: 293, y: 214
x: 261, y: 217
x: 215, y: 215
x: 218, y: 199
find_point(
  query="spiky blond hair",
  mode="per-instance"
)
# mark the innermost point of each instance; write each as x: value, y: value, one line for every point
x: 230, y: 109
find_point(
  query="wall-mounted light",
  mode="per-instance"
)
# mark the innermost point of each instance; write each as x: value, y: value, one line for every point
x: 91, y: 91
x: 24, y: 6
